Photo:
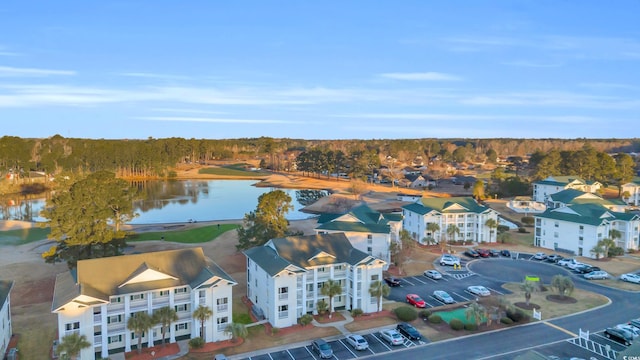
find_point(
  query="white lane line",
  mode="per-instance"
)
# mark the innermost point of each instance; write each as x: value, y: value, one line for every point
x: 418, y: 280
x: 495, y: 291
x: 348, y: 348
x: 405, y: 279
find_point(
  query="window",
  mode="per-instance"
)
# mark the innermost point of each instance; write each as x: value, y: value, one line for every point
x: 114, y: 319
x: 555, y: 234
x: 321, y: 269
x: 369, y: 250
x: 134, y: 335
x: 116, y: 299
x: 310, y: 288
x: 222, y: 304
x: 556, y: 224
x: 164, y: 292
x: 136, y: 297
x: 183, y: 326
x: 283, y: 311
x: 375, y: 277
x: 369, y: 236
x: 283, y: 293
x: 182, y: 307
x: 222, y: 323
x: 182, y: 290
x: 72, y: 326
x: 115, y: 339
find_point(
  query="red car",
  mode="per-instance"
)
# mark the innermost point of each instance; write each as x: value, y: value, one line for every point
x: 484, y: 253
x: 416, y: 301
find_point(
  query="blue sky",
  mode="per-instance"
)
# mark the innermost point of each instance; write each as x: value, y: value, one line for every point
x: 320, y: 70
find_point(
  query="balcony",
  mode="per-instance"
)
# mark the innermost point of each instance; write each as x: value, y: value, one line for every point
x: 283, y: 314
x: 97, y: 340
x: 223, y: 308
x: 115, y: 308
x: 70, y: 332
x: 116, y: 327
x: 161, y: 301
x: 202, y: 301
x: 340, y: 273
x: 182, y: 297
x: 138, y: 305
x: 183, y: 315
x: 97, y: 318
x: 222, y: 327
x: 283, y: 296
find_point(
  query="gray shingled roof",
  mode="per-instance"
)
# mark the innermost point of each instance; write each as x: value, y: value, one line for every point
x: 104, y: 277
x: 301, y: 252
x: 5, y: 289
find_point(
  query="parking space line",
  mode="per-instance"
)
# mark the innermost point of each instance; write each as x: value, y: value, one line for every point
x: 381, y: 342
x: 495, y: 291
x: 309, y: 351
x: 559, y: 328
x: 348, y: 348
x: 270, y: 357
x: 410, y: 283
x: 418, y: 280
x: 290, y: 354
x: 461, y: 296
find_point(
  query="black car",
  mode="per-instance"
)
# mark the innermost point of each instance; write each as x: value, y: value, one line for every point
x: 585, y: 269
x: 505, y: 252
x: 472, y: 253
x: 494, y: 252
x: 409, y: 331
x: 619, y: 335
x: 391, y: 281
x: 554, y: 258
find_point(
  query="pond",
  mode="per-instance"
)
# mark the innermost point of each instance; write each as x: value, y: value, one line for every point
x: 183, y: 200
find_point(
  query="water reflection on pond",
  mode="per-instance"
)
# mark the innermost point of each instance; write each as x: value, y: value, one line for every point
x: 179, y: 201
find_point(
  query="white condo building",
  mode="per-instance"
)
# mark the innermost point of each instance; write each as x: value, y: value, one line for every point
x: 542, y: 189
x: 284, y: 276
x: 5, y: 315
x: 98, y: 297
x: 633, y: 190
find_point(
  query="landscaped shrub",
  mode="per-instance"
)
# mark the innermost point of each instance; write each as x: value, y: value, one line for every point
x: 502, y: 228
x: 305, y: 319
x: 470, y: 327
x: 425, y: 313
x: 517, y: 315
x: 507, y: 321
x: 616, y: 251
x: 456, y: 324
x: 356, y: 312
x: 435, y: 319
x: 522, y: 230
x: 196, y: 343
x: 405, y: 313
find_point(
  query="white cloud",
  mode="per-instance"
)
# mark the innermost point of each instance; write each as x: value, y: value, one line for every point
x: 7, y: 71
x: 153, y: 76
x: 216, y: 120
x: 533, y: 64
x: 421, y: 76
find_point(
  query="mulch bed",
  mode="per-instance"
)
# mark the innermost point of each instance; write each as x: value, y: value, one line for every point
x: 375, y: 315
x: 324, y: 319
x: 531, y: 306
x: 216, y: 346
x: 562, y: 300
x: 153, y: 352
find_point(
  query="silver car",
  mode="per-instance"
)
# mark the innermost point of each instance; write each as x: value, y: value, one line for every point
x: 596, y: 275
x: 433, y: 274
x: 358, y: 342
x: 392, y: 336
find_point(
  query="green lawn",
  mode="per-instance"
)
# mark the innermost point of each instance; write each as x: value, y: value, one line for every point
x: 23, y: 236
x: 459, y: 314
x: 191, y: 236
x: 230, y: 171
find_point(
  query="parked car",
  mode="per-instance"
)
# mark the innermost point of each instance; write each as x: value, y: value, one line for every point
x: 540, y: 256
x: 220, y: 357
x: 472, y: 253
x: 443, y: 296
x: 569, y: 262
x: 408, y: 331
x: 450, y: 260
x: 479, y: 290
x: 392, y: 281
x: 322, y: 348
x: 630, y: 277
x: 484, y: 253
x: 596, y: 275
x: 635, y: 323
x: 619, y: 335
x: 553, y: 258
x: 416, y: 300
x: 358, y: 342
x: 392, y: 336
x: 505, y: 252
x: 494, y: 252
x: 635, y: 332
x: 585, y: 268
x: 433, y: 274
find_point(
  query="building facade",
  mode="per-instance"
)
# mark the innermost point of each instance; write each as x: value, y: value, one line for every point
x: 98, y: 297
x: 285, y: 276
x: 577, y: 228
x: 465, y: 213
x: 633, y: 190
x: 367, y: 230
x: 6, y: 329
x: 542, y: 189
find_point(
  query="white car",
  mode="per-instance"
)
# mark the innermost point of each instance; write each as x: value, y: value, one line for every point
x: 632, y: 329
x: 443, y: 296
x: 392, y: 336
x: 630, y: 277
x: 540, y: 256
x: 570, y: 263
x: 433, y: 274
x: 596, y: 275
x: 479, y: 290
x: 450, y: 260
x: 358, y: 342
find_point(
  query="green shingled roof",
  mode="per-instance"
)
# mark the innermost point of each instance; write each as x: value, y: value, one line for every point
x: 306, y: 251
x: 590, y: 214
x: 367, y: 220
x: 446, y: 205
x: 573, y: 196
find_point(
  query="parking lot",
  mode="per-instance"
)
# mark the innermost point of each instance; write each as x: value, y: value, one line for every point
x: 341, y: 349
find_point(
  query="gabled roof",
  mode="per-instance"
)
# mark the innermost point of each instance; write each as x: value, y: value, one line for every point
x: 560, y: 180
x: 304, y: 252
x: 5, y: 289
x: 359, y: 219
x: 634, y: 182
x: 573, y: 196
x: 101, y: 278
x: 450, y: 205
x: 589, y: 214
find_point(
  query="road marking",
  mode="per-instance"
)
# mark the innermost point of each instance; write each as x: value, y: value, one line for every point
x: 560, y: 328
x: 462, y: 296
x: 381, y: 342
x: 270, y: 357
x: 290, y: 354
x: 405, y: 279
x: 348, y: 348
x: 309, y: 351
x: 495, y: 291
x: 418, y: 280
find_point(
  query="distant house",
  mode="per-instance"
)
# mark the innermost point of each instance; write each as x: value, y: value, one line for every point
x: 285, y: 276
x: 98, y: 297
x: 5, y: 315
x: 465, y: 213
x: 542, y: 189
x: 368, y: 230
x: 419, y: 181
x: 409, y: 170
x: 461, y: 180
x: 633, y: 188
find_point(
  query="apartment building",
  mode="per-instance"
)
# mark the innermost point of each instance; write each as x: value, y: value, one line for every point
x: 5, y: 315
x: 542, y: 189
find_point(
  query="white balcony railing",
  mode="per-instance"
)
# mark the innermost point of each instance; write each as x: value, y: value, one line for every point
x: 181, y: 297
x: 222, y: 327
x: 223, y: 308
x: 97, y: 318
x: 283, y: 314
x: 283, y: 296
x: 97, y: 340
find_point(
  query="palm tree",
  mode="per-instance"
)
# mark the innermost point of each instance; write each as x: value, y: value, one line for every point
x: 562, y: 284
x: 606, y: 245
x: 202, y: 313
x: 597, y: 250
x: 504, y: 237
x: 433, y: 228
x: 379, y: 289
x: 528, y: 287
x: 72, y: 344
x: 165, y: 317
x: 475, y: 311
x: 331, y: 288
x: 236, y: 330
x: 615, y: 234
x: 452, y: 231
x: 491, y: 224
x: 139, y: 323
